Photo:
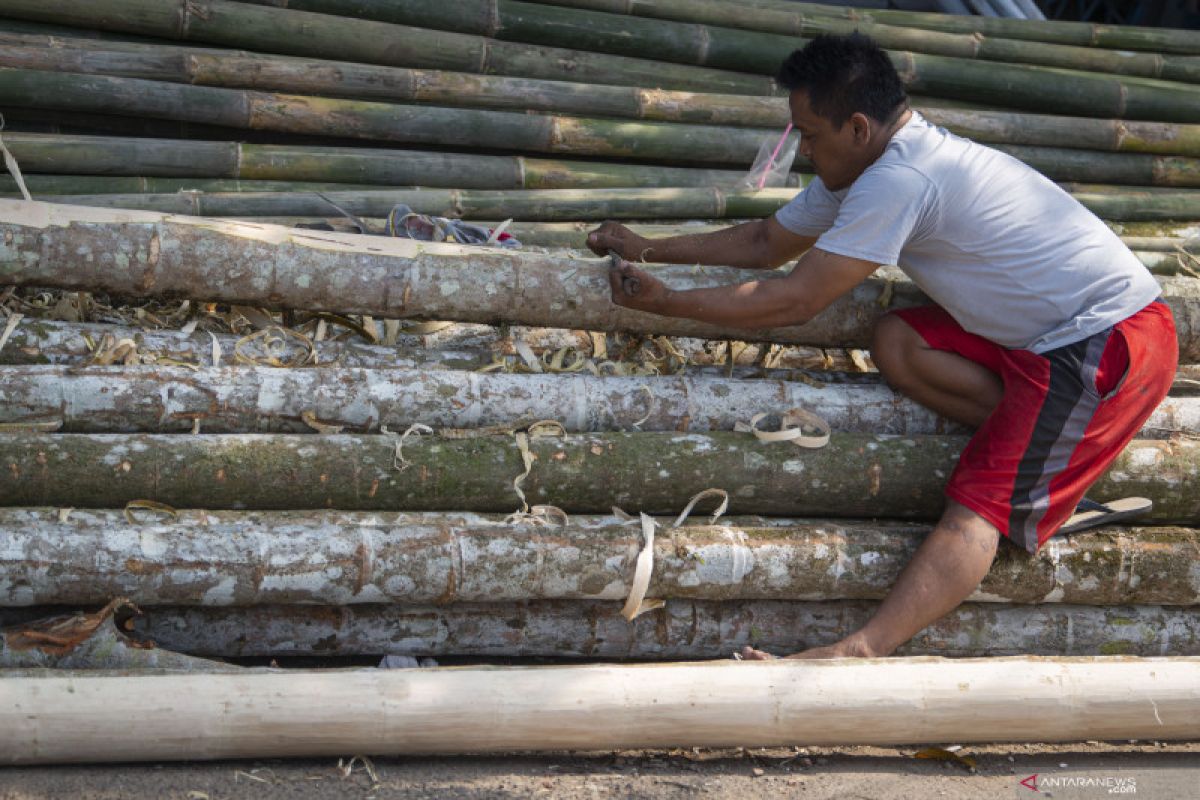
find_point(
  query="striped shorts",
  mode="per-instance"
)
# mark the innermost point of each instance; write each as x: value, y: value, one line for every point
x: 1066, y: 414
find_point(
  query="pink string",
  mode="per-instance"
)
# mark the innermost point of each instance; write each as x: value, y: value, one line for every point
x: 774, y: 154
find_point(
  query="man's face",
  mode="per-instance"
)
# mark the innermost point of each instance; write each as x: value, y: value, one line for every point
x: 838, y: 155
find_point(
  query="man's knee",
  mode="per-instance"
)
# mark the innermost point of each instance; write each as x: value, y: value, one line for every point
x: 892, y: 343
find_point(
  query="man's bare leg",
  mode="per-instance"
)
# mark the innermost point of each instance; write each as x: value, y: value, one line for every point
x: 945, y: 382
x: 946, y: 568
x: 957, y: 554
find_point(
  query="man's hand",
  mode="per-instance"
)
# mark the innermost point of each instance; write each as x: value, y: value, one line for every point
x: 613, y: 236
x: 635, y: 288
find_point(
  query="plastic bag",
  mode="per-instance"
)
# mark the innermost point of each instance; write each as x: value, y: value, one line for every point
x: 773, y: 162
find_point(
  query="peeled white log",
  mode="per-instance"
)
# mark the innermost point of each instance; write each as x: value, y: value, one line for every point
x: 246, y: 399
x: 596, y: 707
x: 342, y: 558
x: 683, y: 629
x: 140, y: 254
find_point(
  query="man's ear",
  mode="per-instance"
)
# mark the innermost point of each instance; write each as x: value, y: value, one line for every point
x: 862, y: 127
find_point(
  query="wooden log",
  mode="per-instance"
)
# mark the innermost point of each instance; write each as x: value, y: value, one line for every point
x: 457, y: 346
x: 41, y: 185
x: 91, y: 642
x: 409, y: 124
x: 684, y: 629
x: 260, y: 399
x: 961, y: 45
x: 242, y: 25
x: 110, y: 155
x: 131, y: 253
x: 857, y: 475
x: 215, y: 558
x: 756, y: 52
x: 593, y: 707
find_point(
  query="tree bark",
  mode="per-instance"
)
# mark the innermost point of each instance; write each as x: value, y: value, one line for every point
x: 857, y: 475
x: 594, y: 707
x: 90, y: 642
x: 342, y: 558
x: 140, y: 254
x: 248, y: 399
x: 682, y: 630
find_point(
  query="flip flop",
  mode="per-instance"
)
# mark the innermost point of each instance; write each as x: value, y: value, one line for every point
x: 1090, y: 514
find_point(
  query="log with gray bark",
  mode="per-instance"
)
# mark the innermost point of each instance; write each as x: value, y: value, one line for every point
x: 856, y: 475
x: 260, y: 714
x: 250, y: 399
x: 683, y: 629
x: 264, y: 399
x: 228, y: 558
x: 140, y: 254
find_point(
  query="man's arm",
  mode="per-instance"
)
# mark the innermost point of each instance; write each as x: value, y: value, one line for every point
x: 762, y: 244
x: 818, y: 279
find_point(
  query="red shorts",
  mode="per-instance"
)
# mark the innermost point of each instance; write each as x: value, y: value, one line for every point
x: 1066, y: 414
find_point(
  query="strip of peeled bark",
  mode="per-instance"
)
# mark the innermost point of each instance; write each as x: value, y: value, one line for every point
x: 244, y: 399
x: 682, y: 630
x: 856, y: 475
x: 134, y: 253
x: 90, y: 641
x: 343, y: 558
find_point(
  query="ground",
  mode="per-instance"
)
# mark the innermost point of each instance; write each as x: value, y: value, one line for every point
x: 1094, y: 769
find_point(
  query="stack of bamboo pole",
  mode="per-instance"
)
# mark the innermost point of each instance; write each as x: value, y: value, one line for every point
x: 288, y: 442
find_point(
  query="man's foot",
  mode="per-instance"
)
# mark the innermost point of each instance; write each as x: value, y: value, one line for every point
x: 1090, y: 514
x: 846, y: 648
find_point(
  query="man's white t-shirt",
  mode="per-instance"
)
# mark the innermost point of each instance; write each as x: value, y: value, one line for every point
x: 1010, y: 255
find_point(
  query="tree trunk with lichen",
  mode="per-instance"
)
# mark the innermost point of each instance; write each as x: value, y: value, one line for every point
x: 261, y: 399
x: 342, y: 558
x: 265, y: 399
x: 856, y: 475
x: 142, y: 254
x: 684, y: 629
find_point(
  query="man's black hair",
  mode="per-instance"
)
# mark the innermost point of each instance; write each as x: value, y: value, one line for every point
x: 844, y: 75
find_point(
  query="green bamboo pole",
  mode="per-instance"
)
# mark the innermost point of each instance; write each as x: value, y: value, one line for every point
x: 171, y: 158
x: 239, y: 69
x: 856, y: 475
x: 296, y: 114
x: 259, y: 28
x: 105, y: 184
x: 316, y: 77
x: 1088, y: 34
x: 961, y: 45
x: 551, y: 205
x: 1039, y: 88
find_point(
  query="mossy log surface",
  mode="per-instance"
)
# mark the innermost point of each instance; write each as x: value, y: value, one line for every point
x: 856, y: 475
x: 140, y: 254
x: 682, y: 630
x: 216, y: 558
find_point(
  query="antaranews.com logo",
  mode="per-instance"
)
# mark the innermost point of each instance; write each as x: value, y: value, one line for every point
x: 1105, y: 784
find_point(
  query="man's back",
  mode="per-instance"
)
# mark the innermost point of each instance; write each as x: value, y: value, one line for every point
x: 1008, y: 253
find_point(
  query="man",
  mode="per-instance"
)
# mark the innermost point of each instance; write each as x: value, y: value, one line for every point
x: 1046, y: 337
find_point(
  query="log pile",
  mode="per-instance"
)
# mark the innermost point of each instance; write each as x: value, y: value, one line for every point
x: 280, y: 441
